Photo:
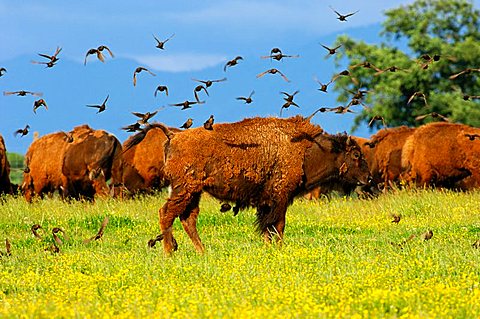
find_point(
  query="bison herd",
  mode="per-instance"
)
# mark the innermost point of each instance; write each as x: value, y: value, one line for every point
x: 262, y: 163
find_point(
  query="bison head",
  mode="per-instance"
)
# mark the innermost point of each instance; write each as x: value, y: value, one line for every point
x: 354, y: 168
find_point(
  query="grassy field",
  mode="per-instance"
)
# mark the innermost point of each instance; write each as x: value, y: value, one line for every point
x: 338, y: 260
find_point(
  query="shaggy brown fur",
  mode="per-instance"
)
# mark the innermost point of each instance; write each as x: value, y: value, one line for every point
x: 259, y: 162
x: 44, y: 160
x: 439, y: 154
x: 5, y: 185
x: 144, y: 161
x: 385, y: 158
x: 341, y: 187
x: 92, y: 151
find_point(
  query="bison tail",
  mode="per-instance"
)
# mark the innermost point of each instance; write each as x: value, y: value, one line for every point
x: 137, y: 138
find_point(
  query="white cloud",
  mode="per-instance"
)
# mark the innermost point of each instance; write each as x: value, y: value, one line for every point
x: 183, y: 62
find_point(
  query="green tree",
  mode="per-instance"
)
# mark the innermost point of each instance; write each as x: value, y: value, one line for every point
x: 440, y: 39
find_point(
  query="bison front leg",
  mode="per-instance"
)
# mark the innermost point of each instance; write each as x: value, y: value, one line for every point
x: 271, y: 221
x: 189, y: 223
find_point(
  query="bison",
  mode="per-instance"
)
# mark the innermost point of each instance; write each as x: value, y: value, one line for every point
x: 443, y: 155
x: 143, y: 172
x: 5, y: 185
x: 385, y: 157
x: 89, y: 161
x: 259, y: 162
x: 76, y: 164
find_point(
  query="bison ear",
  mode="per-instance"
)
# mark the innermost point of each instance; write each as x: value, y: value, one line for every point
x: 349, y: 141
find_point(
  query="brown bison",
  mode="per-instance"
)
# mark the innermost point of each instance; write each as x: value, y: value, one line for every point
x: 89, y: 161
x: 5, y: 185
x: 385, y: 157
x: 259, y: 162
x: 44, y: 159
x: 76, y: 164
x: 143, y: 172
x: 341, y: 187
x: 443, y: 155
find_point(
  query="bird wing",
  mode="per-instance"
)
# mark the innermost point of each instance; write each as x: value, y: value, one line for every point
x: 106, y: 99
x: 134, y: 78
x: 262, y: 74
x: 350, y: 14
x: 109, y: 51
x: 45, y: 56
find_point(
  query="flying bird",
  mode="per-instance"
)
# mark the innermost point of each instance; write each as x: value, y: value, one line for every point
x: 39, y: 103
x: 472, y: 137
x: 466, y: 71
x: 417, y: 94
x: 273, y: 71
x: 343, y: 73
x: 339, y: 109
x: 102, y: 107
x: 2, y: 71
x: 52, y: 59
x: 132, y: 127
x: 366, y: 65
x: 188, y: 123
x: 208, y: 125
x: 144, y: 117
x: 279, y: 56
x: 104, y: 47
x: 99, y: 233
x: 48, y: 64
x: 22, y: 93
x: 232, y: 62
x: 343, y: 17
x: 161, y: 88
x: 247, y: 99
x: 392, y: 68
x: 94, y: 51
x: 138, y: 70
x: 161, y: 44
x: 208, y: 83
x: 434, y: 115
x: 377, y: 118
x: 331, y: 51
x: 186, y: 104
x: 323, y: 87
x: 22, y: 131
x: 275, y: 51
x: 197, y: 89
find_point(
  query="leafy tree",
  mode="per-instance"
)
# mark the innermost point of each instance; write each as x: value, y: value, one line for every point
x: 430, y: 40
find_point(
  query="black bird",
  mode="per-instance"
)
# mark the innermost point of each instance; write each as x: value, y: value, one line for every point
x: 3, y: 71
x: 160, y: 44
x: 275, y: 51
x: 39, y: 103
x: 132, y: 128
x: 343, y: 17
x: 273, y: 71
x: 22, y: 93
x: 289, y: 97
x: 392, y: 68
x: 161, y: 88
x: 377, y: 118
x: 331, y: 51
x: 53, y: 58
x: 104, y: 47
x: 197, y: 89
x: 99, y: 233
x: 23, y: 131
x: 472, y: 137
x: 248, y: 99
x: 188, y: 123
x: 232, y: 62
x: 434, y: 115
x: 186, y: 104
x: 208, y: 125
x: 144, y: 117
x: 343, y: 73
x: 323, y: 87
x: 102, y: 107
x: 48, y: 64
x: 208, y: 83
x: 138, y: 70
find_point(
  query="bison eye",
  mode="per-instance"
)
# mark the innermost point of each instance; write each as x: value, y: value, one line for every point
x: 356, y: 155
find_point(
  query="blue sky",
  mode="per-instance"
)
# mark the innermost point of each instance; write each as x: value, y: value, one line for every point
x: 207, y: 34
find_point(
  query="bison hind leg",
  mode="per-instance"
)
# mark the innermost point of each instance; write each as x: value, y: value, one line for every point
x: 189, y: 222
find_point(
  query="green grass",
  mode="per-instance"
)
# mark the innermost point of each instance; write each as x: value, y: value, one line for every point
x: 337, y: 260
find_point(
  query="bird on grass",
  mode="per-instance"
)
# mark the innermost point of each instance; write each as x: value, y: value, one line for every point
x: 39, y: 103
x: 161, y: 44
x: 208, y: 125
x: 8, y: 249
x: 23, y: 131
x: 138, y: 70
x: 188, y: 123
x: 102, y: 107
x: 343, y: 17
x: 151, y: 243
x: 247, y: 99
x: 100, y: 232
x: 396, y: 218
x: 35, y: 229
x: 57, y: 239
x: 225, y: 207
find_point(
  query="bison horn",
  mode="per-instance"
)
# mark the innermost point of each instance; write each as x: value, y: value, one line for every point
x: 343, y: 169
